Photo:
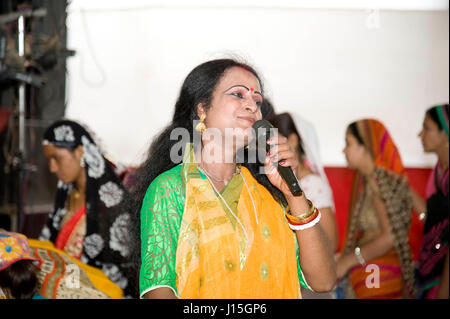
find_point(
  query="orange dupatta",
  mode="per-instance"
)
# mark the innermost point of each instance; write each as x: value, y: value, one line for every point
x: 208, y: 259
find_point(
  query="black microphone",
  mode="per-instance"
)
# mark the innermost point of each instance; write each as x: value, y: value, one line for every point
x: 262, y: 129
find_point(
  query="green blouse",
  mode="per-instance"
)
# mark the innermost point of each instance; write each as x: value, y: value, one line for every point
x: 161, y: 217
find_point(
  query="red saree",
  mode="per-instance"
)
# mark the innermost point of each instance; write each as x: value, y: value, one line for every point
x: 71, y: 236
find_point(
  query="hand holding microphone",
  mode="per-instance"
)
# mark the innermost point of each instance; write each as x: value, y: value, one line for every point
x: 284, y: 156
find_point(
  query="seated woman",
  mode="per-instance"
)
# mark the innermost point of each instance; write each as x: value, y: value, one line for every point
x: 433, y: 269
x: 88, y: 222
x: 35, y: 269
x: 376, y: 260
x: 210, y: 227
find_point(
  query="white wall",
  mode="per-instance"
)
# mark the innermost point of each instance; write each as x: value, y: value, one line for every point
x: 332, y: 66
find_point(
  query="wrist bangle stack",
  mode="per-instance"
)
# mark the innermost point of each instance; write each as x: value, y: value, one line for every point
x: 303, y: 216
x: 304, y: 221
x: 359, y: 256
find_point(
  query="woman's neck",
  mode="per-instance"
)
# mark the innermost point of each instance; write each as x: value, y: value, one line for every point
x: 302, y: 170
x: 219, y: 172
x: 80, y: 183
x: 221, y: 165
x: 367, y: 167
x: 443, y: 157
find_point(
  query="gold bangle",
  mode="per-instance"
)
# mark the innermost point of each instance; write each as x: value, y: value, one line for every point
x: 301, y: 218
x: 303, y: 221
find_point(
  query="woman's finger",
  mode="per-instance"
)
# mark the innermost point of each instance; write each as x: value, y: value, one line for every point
x: 282, y: 156
x: 288, y: 162
x: 279, y: 139
x: 279, y: 148
x: 269, y: 167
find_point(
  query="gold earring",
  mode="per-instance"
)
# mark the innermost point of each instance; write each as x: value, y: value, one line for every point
x: 201, y: 127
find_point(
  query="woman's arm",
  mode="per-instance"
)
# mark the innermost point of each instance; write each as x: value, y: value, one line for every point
x: 443, y: 288
x: 159, y: 231
x: 320, y: 194
x: 378, y: 247
x: 419, y: 204
x: 328, y: 223
x: 316, y: 255
x: 160, y: 293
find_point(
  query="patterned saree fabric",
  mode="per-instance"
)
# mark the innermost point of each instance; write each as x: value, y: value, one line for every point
x: 390, y: 279
x: 192, y: 245
x: 64, y: 277
x: 71, y: 236
x: 388, y: 182
x: 13, y: 247
x: 96, y: 235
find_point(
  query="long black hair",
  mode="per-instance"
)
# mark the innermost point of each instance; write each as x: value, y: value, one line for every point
x: 353, y: 130
x: 432, y: 112
x: 286, y: 126
x: 198, y: 87
x: 20, y: 279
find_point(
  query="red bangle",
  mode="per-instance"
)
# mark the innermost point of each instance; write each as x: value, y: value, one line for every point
x: 306, y: 221
x: 307, y: 225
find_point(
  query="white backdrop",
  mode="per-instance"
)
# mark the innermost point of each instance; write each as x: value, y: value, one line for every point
x: 331, y: 65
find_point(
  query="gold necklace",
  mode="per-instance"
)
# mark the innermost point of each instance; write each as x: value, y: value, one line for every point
x: 73, y: 198
x: 76, y: 194
x: 204, y: 170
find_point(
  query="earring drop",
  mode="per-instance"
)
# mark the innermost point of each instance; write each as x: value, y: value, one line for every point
x: 201, y: 127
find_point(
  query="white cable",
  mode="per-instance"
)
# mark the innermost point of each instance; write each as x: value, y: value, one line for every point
x: 93, y: 55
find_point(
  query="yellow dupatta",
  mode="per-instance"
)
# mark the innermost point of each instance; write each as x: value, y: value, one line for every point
x: 209, y: 261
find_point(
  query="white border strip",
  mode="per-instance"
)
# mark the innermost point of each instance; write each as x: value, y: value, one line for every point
x: 134, y: 5
x: 155, y: 287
